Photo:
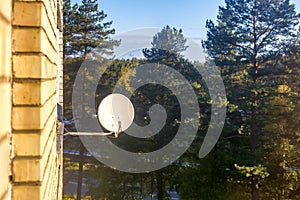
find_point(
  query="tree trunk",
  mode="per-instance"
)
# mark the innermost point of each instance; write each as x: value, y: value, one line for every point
x: 160, y: 189
x: 255, y: 188
x: 152, y: 183
x: 255, y: 38
x: 80, y: 172
x: 141, y: 191
x: 254, y: 181
x: 124, y: 190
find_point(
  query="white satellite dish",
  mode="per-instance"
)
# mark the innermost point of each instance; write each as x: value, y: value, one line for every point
x: 116, y: 113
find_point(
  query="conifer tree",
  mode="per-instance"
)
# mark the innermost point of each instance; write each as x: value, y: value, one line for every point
x: 167, y: 44
x: 85, y: 31
x: 246, y: 38
x: 247, y: 31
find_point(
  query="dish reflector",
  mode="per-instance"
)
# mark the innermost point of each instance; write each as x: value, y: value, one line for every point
x: 115, y: 112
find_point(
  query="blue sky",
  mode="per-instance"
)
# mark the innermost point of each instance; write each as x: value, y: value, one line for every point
x: 190, y: 15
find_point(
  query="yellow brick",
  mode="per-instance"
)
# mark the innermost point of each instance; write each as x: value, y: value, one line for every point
x: 5, y: 9
x: 51, y: 4
x: 61, y: 99
x: 5, y: 107
x: 33, y: 169
x: 27, y: 93
x: 27, y: 169
x: 5, y: 48
x: 32, y: 118
x: 27, y: 118
x: 51, y: 12
x: 34, y: 14
x: 50, y: 147
x: 22, y: 142
x: 36, y: 169
x: 49, y: 7
x: 23, y: 192
x: 50, y: 142
x: 49, y: 176
x: 61, y: 86
x: 61, y: 46
x: 33, y: 66
x: 33, y: 40
x: 28, y: 14
x: 27, y: 40
x: 33, y: 93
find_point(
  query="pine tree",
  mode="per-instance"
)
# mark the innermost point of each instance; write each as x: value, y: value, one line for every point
x: 167, y: 44
x: 282, y: 133
x: 85, y: 36
x: 247, y: 31
x: 69, y: 12
x: 85, y: 32
x: 246, y: 38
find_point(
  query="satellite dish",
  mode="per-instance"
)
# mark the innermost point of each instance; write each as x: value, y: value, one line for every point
x: 116, y: 113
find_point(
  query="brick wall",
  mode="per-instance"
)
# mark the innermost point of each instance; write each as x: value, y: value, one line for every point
x: 29, y: 45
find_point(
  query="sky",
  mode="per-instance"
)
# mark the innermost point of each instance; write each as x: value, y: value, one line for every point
x: 189, y: 15
x: 137, y: 21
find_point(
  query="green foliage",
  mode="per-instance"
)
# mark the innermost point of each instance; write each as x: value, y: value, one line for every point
x: 85, y: 32
x: 206, y: 180
x: 167, y: 46
x: 282, y: 133
x: 106, y: 183
x: 256, y: 46
x: 170, y: 39
x: 253, y: 171
x: 248, y: 31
